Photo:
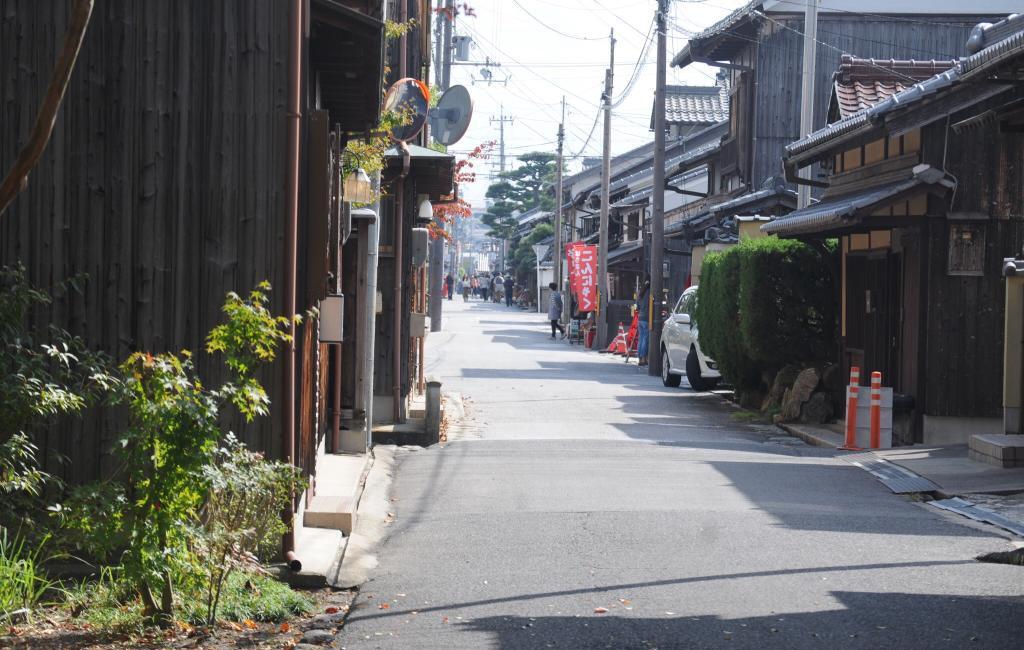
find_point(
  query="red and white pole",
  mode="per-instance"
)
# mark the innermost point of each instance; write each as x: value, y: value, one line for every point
x: 876, y: 410
x: 851, y: 411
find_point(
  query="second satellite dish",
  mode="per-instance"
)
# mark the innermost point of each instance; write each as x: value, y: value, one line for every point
x: 409, y: 96
x: 450, y: 119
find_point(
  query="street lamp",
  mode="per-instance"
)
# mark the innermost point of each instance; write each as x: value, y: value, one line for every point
x: 358, y: 187
x: 539, y: 250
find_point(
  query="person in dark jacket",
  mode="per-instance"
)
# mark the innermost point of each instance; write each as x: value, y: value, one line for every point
x: 555, y: 310
x: 449, y: 283
x: 510, y: 284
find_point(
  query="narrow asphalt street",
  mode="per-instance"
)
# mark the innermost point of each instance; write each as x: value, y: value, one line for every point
x: 580, y: 485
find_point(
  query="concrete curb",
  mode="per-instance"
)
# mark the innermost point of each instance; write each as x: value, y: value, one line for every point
x: 334, y: 572
x: 810, y: 437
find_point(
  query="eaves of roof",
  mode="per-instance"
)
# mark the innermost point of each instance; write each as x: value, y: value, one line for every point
x: 844, y: 211
x: 822, y: 142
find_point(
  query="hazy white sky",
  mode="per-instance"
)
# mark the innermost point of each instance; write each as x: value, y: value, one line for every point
x: 542, y: 65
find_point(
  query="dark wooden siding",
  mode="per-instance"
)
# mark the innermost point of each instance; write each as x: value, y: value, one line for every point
x: 964, y: 322
x: 964, y: 328
x: 164, y: 179
x: 780, y: 56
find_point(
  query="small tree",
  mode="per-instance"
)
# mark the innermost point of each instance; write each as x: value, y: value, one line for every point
x: 168, y: 448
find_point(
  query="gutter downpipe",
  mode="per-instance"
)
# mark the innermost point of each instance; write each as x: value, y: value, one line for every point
x: 399, y: 226
x: 370, y: 314
x: 399, y: 271
x: 294, y: 121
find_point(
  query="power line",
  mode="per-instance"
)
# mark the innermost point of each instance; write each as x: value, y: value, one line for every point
x: 557, y: 31
x: 636, y: 69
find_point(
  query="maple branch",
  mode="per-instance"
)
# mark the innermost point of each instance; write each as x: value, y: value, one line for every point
x: 17, y: 178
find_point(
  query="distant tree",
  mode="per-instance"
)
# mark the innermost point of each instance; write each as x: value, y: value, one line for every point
x: 518, y: 191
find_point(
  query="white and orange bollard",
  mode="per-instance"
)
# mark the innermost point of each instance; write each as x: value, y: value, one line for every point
x: 876, y: 410
x: 851, y: 411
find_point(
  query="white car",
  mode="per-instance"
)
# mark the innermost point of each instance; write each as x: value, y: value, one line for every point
x: 680, y: 348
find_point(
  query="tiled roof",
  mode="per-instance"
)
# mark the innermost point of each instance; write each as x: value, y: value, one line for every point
x: 862, y: 83
x: 966, y: 69
x: 696, y: 104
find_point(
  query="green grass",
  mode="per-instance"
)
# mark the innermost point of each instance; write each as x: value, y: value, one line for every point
x: 109, y: 605
x: 748, y: 417
x: 106, y: 605
x: 251, y: 597
x: 23, y: 583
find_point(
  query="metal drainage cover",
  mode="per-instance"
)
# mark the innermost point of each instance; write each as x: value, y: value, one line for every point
x: 892, y: 476
x: 977, y: 513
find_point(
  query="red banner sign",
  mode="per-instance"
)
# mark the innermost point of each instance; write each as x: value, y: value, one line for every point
x: 582, y: 264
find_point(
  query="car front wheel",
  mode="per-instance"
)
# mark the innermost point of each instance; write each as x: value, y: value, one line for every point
x: 697, y: 382
x: 667, y: 378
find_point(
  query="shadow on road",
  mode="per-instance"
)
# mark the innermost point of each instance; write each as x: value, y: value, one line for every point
x: 856, y: 620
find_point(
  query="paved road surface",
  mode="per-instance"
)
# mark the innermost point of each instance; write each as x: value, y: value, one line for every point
x: 592, y: 486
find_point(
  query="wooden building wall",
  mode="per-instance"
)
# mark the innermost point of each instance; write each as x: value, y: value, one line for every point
x: 964, y: 313
x: 778, y: 58
x: 164, y: 179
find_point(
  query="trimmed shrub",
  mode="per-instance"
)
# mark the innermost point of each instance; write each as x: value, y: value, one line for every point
x: 763, y: 304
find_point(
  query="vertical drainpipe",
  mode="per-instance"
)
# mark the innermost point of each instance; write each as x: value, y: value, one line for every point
x: 294, y: 121
x: 370, y: 312
x: 399, y: 226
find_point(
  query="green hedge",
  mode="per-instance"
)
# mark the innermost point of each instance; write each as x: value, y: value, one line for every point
x: 766, y: 303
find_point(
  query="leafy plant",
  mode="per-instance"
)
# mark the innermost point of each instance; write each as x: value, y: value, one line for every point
x: 240, y: 519
x: 23, y: 583
x: 170, y: 443
x: 47, y: 373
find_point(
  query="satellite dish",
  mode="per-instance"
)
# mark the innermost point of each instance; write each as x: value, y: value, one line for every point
x: 408, y: 96
x: 450, y: 119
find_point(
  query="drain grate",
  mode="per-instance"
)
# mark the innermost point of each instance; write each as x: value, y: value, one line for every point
x: 977, y: 513
x: 892, y: 476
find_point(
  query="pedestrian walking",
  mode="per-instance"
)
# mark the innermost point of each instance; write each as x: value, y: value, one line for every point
x: 465, y: 288
x: 474, y: 284
x: 509, y: 286
x: 496, y: 283
x: 555, y: 310
x: 459, y: 285
x: 485, y: 287
x: 449, y: 283
x: 643, y: 300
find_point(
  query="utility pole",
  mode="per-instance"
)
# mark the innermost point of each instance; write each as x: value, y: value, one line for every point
x: 606, y: 168
x: 501, y: 138
x: 658, y: 202
x: 501, y: 168
x: 446, y: 20
x: 807, y: 90
x: 558, y: 252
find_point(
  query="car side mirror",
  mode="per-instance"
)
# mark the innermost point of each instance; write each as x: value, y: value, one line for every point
x: 682, y: 319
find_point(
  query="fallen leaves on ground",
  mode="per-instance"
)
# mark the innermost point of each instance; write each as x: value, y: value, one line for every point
x: 383, y: 606
x: 285, y: 627
x: 600, y: 610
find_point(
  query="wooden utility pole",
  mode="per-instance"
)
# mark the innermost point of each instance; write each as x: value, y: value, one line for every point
x: 557, y: 255
x: 807, y: 90
x: 604, y: 293
x: 658, y: 201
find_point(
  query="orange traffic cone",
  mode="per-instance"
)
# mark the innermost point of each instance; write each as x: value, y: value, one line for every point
x: 618, y: 346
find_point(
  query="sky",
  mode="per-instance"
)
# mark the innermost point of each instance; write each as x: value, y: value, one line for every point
x: 551, y: 48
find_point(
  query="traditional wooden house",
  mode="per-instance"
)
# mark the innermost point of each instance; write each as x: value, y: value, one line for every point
x: 198, y: 151
x: 923, y: 187
x: 760, y: 47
